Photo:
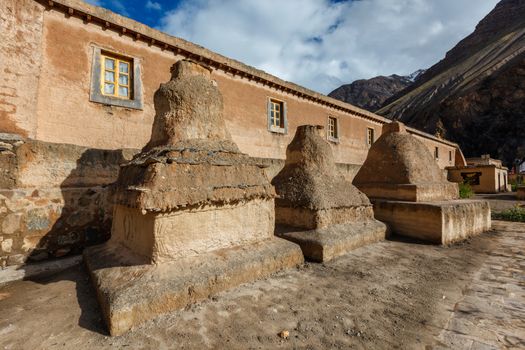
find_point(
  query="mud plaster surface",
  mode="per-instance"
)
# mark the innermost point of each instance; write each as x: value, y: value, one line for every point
x: 393, y: 294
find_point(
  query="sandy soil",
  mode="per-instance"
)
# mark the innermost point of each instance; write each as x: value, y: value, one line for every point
x: 396, y: 294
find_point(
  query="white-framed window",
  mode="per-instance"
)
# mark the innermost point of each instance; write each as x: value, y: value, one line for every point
x: 332, y: 130
x: 277, y: 116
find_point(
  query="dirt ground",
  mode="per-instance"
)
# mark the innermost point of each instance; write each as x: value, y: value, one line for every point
x: 396, y: 294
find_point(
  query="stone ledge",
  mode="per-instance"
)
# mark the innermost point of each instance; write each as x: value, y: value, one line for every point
x: 442, y: 222
x: 411, y: 192
x: 19, y: 272
x: 133, y: 294
x: 324, y: 244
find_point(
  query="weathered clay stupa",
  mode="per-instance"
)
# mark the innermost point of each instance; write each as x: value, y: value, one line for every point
x: 193, y: 215
x: 411, y: 194
x: 317, y: 208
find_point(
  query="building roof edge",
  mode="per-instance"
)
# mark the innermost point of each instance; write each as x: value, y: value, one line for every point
x: 140, y: 31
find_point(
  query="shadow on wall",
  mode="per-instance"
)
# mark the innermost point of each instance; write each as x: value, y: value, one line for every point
x: 82, y: 217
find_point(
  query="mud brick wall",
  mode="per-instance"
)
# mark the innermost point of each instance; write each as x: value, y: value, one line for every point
x: 54, y: 198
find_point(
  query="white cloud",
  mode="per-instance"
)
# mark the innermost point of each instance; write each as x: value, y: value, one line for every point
x: 153, y: 5
x: 321, y: 44
x: 94, y: 2
x: 118, y: 6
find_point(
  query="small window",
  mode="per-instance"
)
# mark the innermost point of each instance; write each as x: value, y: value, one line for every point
x: 369, y: 136
x: 116, y: 76
x: 436, y: 152
x: 333, y: 129
x: 115, y: 80
x: 276, y: 116
x: 449, y: 156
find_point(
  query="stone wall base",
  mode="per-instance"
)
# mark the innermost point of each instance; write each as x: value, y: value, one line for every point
x: 131, y: 294
x: 324, y: 244
x: 313, y: 219
x: 438, y: 222
x: 37, y: 224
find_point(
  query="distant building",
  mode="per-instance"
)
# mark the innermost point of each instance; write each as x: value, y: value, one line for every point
x: 521, y: 167
x: 483, y: 174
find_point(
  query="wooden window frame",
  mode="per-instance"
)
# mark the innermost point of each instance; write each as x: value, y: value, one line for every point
x: 134, y: 101
x: 277, y: 116
x: 332, y: 129
x: 370, y: 140
x: 117, y: 59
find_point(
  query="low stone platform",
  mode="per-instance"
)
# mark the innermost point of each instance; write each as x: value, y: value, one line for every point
x: 131, y: 293
x: 442, y: 222
x: 326, y: 243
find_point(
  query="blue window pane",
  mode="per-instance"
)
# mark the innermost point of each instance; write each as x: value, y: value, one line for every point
x: 109, y: 76
x: 123, y: 79
x: 123, y: 91
x: 123, y: 67
x: 109, y: 89
x: 110, y: 64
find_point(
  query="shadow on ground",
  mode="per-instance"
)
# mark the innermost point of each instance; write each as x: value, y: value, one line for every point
x: 90, y: 313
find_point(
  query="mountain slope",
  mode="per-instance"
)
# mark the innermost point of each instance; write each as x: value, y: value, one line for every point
x: 476, y: 94
x: 371, y: 94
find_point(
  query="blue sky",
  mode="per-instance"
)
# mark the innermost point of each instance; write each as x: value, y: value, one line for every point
x: 147, y: 12
x: 319, y: 44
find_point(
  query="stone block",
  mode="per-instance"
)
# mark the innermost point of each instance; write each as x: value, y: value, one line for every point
x: 442, y: 222
x: 38, y: 219
x: 7, y: 245
x: 161, y: 237
x: 17, y: 259
x: 520, y: 193
x: 324, y: 244
x: 131, y: 293
x: 31, y: 242
x: 11, y: 223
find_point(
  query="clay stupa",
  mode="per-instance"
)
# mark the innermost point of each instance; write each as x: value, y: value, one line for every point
x: 317, y: 208
x: 411, y: 193
x: 193, y: 215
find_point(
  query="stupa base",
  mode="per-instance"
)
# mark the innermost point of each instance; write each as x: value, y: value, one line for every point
x: 442, y: 222
x: 324, y: 244
x: 131, y: 293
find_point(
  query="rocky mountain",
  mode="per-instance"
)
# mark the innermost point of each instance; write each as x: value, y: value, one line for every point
x: 371, y: 94
x: 476, y: 94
